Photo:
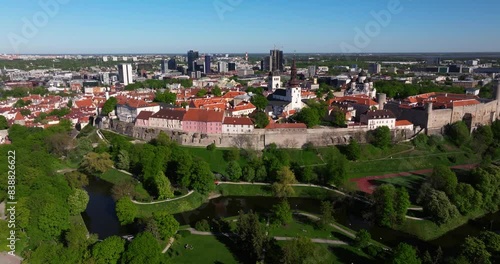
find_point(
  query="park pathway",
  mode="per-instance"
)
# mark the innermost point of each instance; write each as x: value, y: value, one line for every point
x: 343, y: 230
x: 169, y: 244
x: 280, y: 238
x: 164, y: 201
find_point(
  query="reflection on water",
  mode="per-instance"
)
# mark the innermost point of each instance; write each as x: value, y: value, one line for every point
x: 100, y: 217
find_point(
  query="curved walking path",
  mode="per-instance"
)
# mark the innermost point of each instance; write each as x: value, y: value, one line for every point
x: 343, y: 230
x: 315, y: 240
x: 163, y: 201
x: 169, y: 244
x: 366, y: 186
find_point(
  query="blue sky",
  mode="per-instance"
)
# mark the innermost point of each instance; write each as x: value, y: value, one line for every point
x: 238, y: 26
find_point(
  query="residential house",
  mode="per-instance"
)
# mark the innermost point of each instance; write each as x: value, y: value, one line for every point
x: 167, y: 118
x: 203, y: 121
x: 237, y: 125
x: 378, y: 118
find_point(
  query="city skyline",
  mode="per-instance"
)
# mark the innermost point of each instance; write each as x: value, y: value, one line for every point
x: 221, y: 26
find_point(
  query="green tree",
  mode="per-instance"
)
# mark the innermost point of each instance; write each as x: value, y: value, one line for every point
x: 216, y: 91
x: 109, y: 106
x: 232, y: 154
x: 482, y: 138
x: 282, y: 213
x: 202, y: 178
x: 78, y: 201
x: 384, y: 208
x: 3, y: 123
x: 308, y: 175
x: 248, y: 173
x: 260, y: 119
x: 165, y: 97
x: 233, y: 171
x: 362, y: 239
x: 338, y: 118
x: 353, y: 150
x: 259, y: 101
x: 163, y: 188
x: 126, y: 211
x: 381, y: 137
x: 443, y: 179
x: 76, y: 179
x: 143, y: 249
x: 491, y: 240
x: 167, y: 225
x: 123, y: 160
x: 303, y: 250
x: 466, y: 198
x: 96, y: 163
x: 459, y: 133
x: 401, y: 204
x: 309, y: 116
x: 405, y: 254
x: 474, y: 250
x: 109, y: 250
x: 283, y: 187
x: 438, y: 206
x: 70, y: 103
x: 335, y: 170
x: 326, y: 215
x: 250, y: 236
x: 211, y: 147
x: 201, y: 93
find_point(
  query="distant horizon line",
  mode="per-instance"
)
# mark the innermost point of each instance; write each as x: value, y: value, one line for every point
x: 254, y: 53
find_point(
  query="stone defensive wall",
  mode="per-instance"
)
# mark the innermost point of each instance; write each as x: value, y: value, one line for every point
x: 259, y: 138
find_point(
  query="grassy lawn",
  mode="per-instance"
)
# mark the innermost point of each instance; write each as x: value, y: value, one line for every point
x: 265, y: 190
x: 411, y: 182
x: 379, y: 167
x: 303, y: 226
x: 188, y: 203
x: 303, y: 157
x: 427, y: 230
x: 348, y: 255
x: 214, y: 158
x: 115, y: 176
x: 206, y: 249
x: 111, y: 135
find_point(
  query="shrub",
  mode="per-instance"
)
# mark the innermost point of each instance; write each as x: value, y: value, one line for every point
x: 211, y: 147
x: 202, y: 225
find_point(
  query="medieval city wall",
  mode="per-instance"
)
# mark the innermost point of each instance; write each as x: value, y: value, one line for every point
x: 288, y: 138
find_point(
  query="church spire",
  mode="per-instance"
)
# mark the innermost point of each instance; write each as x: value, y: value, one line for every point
x: 293, y: 75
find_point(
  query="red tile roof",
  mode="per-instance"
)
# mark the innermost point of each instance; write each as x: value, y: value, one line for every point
x: 84, y: 103
x: 243, y: 121
x: 168, y: 113
x: 286, y: 125
x: 403, y: 123
x: 202, y: 115
x: 144, y: 115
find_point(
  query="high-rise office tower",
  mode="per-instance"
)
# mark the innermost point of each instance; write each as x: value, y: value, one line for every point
x: 207, y: 64
x: 374, y: 68
x: 125, y: 73
x: 277, y: 62
x: 164, y: 66
x: 192, y: 56
x: 172, y: 64
x: 231, y: 66
x: 222, y: 66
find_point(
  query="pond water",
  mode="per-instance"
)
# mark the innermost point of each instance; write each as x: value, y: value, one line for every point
x: 100, y: 217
